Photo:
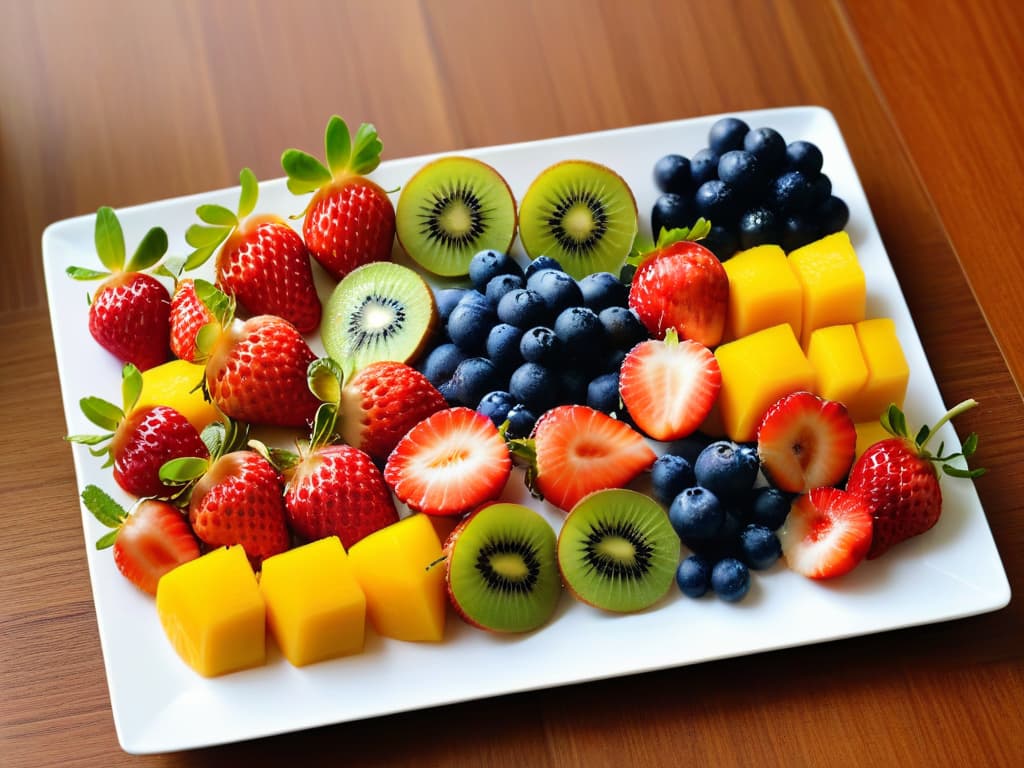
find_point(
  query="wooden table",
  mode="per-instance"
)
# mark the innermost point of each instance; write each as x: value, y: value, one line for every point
x: 120, y: 103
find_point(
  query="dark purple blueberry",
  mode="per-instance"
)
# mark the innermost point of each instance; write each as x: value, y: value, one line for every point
x: 534, y: 386
x: 759, y: 547
x: 520, y: 421
x: 730, y: 579
x: 558, y: 289
x: 727, y: 134
x: 441, y: 363
x: 757, y: 227
x: 798, y: 230
x: 541, y: 345
x: 612, y: 362
x: 523, y: 308
x: 447, y: 390
x: 696, y: 513
x: 672, y: 174
x: 542, y: 263
x: 821, y: 190
x: 770, y: 508
x: 496, y: 405
x: 502, y: 347
x: 768, y: 147
x: 622, y: 327
x: 790, y: 193
x: 716, y: 201
x: 690, y: 446
x: 672, y: 211
x: 805, y: 157
x: 580, y: 331
x: 741, y: 170
x: 694, y: 576
x: 470, y: 322
x: 704, y: 166
x: 489, y: 264
x: 602, y: 290
x: 474, y: 378
x: 726, y: 470
x: 721, y: 241
x: 572, y: 385
x: 603, y: 393
x: 499, y: 285
x: 832, y: 215
x: 670, y: 476
x: 446, y: 299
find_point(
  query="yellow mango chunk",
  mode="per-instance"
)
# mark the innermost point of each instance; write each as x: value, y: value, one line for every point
x: 869, y: 433
x: 888, y: 371
x: 832, y: 281
x: 397, y: 568
x: 840, y: 372
x: 763, y: 291
x: 213, y: 613
x: 176, y: 385
x: 756, y: 371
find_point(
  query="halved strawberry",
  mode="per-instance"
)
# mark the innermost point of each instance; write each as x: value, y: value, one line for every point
x: 805, y: 441
x: 669, y: 386
x: 449, y: 463
x: 826, y: 534
x: 576, y: 450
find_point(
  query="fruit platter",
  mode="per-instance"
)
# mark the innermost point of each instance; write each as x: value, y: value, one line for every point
x: 545, y: 467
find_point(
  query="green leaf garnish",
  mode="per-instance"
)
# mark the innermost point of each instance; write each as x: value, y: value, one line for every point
x: 305, y: 172
x: 101, y: 413
x: 107, y: 540
x: 151, y: 249
x: 109, y: 239
x: 131, y: 386
x: 183, y: 470
x: 324, y: 377
x: 200, y: 236
x: 250, y: 192
x: 217, y: 215
x: 323, y: 425
x: 367, y: 149
x: 103, y: 508
x: 81, y: 273
x: 337, y: 146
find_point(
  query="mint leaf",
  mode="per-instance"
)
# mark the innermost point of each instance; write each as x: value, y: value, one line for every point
x: 103, y: 507
x: 109, y: 239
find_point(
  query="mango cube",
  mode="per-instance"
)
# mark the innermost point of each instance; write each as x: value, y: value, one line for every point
x: 832, y: 281
x: 176, y: 384
x: 213, y: 613
x: 763, y: 291
x: 757, y: 370
x: 398, y: 570
x: 840, y: 372
x: 888, y: 372
x: 315, y: 607
x: 869, y: 433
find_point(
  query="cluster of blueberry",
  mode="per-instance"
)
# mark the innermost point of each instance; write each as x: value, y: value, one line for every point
x: 727, y: 522
x: 753, y: 188
x: 522, y: 341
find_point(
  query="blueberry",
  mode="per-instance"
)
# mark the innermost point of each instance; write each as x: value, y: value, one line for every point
x: 690, y: 446
x: 768, y: 147
x: 534, y: 386
x: 730, y: 579
x: 726, y: 470
x: 798, y: 230
x: 805, y: 157
x: 696, y: 513
x: 499, y: 285
x: 672, y: 211
x: 540, y: 345
x: 757, y: 227
x: 821, y: 190
x: 580, y: 331
x: 520, y: 421
x: 721, y: 241
x: 447, y: 390
x: 558, y: 289
x: 496, y: 405
x: 612, y: 361
x: 716, y: 201
x: 602, y: 290
x: 603, y: 393
x: 474, y: 378
x: 442, y: 362
x: 694, y: 576
x: 502, y: 346
x: 790, y: 192
x: 622, y: 327
x: 759, y: 547
x: 832, y: 215
x: 488, y: 264
x: 670, y: 476
x: 469, y: 324
x: 740, y: 170
x: 704, y: 166
x: 770, y: 508
x: 523, y: 308
x: 572, y: 385
x: 672, y: 174
x: 727, y: 134
x: 542, y: 263
x: 446, y: 299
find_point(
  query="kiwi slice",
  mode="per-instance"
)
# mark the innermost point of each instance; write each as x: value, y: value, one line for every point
x: 380, y: 311
x: 452, y: 209
x: 582, y: 214
x: 618, y: 551
x: 501, y: 569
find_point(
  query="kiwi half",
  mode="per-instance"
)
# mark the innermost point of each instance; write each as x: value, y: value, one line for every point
x: 581, y: 214
x: 618, y: 551
x: 502, y: 574
x: 380, y: 311
x: 450, y: 210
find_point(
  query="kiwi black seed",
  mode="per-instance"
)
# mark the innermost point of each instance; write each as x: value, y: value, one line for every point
x: 380, y: 311
x: 451, y: 209
x: 618, y: 551
x: 502, y: 574
x: 582, y: 214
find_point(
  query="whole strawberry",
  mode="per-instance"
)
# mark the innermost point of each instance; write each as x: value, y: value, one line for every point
x: 897, y: 478
x: 129, y: 313
x: 350, y: 221
x: 138, y: 441
x: 262, y: 262
x: 189, y: 314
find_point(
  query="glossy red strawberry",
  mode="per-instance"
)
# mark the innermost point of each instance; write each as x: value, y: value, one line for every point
x: 898, y: 481
x: 154, y: 539
x: 669, y: 386
x: 350, y: 221
x: 129, y: 315
x: 826, y: 534
x: 188, y: 315
x: 382, y: 402
x: 681, y: 285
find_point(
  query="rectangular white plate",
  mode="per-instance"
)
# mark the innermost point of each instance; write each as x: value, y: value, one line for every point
x: 161, y: 705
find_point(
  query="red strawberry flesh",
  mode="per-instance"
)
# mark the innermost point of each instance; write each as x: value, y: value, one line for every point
x: 349, y: 223
x: 152, y: 541
x: 130, y: 317
x: 826, y: 534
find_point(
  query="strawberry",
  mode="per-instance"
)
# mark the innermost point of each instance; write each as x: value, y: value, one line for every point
x: 681, y: 285
x: 897, y: 479
x: 148, y: 543
x: 575, y: 450
x: 669, y: 386
x: 138, y: 441
x: 262, y: 262
x: 188, y: 315
x: 129, y: 315
x: 350, y: 221
x: 382, y: 402
x: 449, y: 463
x: 826, y: 534
x: 805, y: 441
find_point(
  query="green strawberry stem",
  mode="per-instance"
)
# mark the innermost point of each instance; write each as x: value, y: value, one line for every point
x: 106, y: 510
x: 219, y: 222
x: 108, y: 416
x: 895, y: 423
x: 644, y: 248
x: 109, y: 239
x: 346, y: 156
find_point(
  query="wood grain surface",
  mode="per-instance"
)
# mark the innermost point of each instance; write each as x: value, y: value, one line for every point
x: 118, y: 103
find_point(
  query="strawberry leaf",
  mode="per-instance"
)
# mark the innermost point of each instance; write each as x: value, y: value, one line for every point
x: 89, y: 439
x: 970, y: 445
x: 337, y: 146
x: 323, y: 425
x: 281, y: 459
x: 250, y: 192
x: 206, y: 337
x: 698, y: 231
x: 131, y: 386
x: 101, y: 413
x: 217, y: 215
x: 81, y: 273
x: 151, y: 249
x: 219, y: 303
x: 103, y: 508
x: 366, y: 153
x: 172, y: 267
x: 324, y: 377
x: 305, y: 172
x: 109, y: 239
x: 183, y: 470
x: 107, y: 540
x: 199, y: 236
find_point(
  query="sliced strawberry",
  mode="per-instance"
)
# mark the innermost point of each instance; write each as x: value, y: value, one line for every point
x: 188, y: 315
x: 449, y: 463
x: 669, y: 386
x: 826, y: 534
x: 579, y: 450
x: 805, y: 442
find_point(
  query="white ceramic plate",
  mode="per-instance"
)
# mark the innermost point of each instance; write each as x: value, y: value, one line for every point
x: 161, y: 705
